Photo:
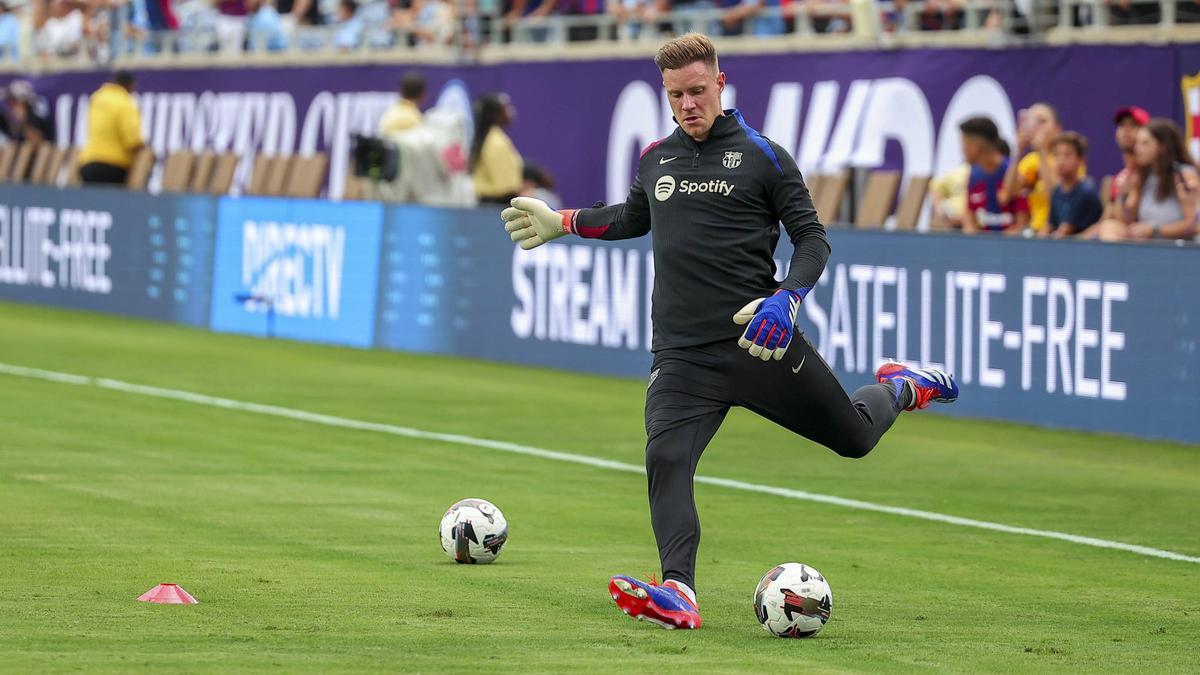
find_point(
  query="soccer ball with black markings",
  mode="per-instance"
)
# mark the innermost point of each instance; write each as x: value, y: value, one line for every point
x: 793, y: 600
x: 473, y: 531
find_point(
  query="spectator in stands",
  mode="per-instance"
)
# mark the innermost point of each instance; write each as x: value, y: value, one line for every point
x: 114, y: 133
x: 631, y: 15
x: 265, y: 28
x: 1129, y: 119
x: 688, y: 16
x: 495, y: 163
x: 581, y: 33
x: 231, y: 25
x: 405, y: 113
x: 429, y: 22
x: 987, y: 209
x: 941, y: 15
x: 60, y: 28
x: 1075, y: 203
x: 299, y: 13
x: 824, y: 20
x: 347, y: 33
x: 516, y: 10
x: 10, y: 34
x: 539, y: 184
x: 1033, y: 178
x: 1161, y: 203
x: 26, y: 116
x: 754, y: 17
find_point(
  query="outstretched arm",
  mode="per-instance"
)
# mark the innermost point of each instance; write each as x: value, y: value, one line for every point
x: 531, y: 223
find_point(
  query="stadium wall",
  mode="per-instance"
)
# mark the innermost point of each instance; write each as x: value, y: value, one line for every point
x: 1065, y: 334
x: 587, y: 120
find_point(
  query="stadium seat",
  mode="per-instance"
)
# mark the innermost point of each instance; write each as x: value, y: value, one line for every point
x: 54, y: 166
x: 139, y: 171
x: 878, y: 197
x: 177, y: 172
x: 814, y: 186
x: 829, y: 201
x: 7, y: 154
x: 259, y: 177
x: 20, y: 166
x: 277, y: 176
x: 71, y: 167
x: 909, y: 211
x: 307, y: 176
x: 41, y: 160
x: 223, y: 171
x: 202, y: 172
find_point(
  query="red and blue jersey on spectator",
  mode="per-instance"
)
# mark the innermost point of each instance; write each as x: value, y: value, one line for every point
x: 983, y: 198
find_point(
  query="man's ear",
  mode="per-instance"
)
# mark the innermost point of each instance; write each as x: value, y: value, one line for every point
x: 721, y: 81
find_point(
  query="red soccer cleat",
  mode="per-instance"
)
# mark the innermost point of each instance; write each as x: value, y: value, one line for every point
x: 663, y: 604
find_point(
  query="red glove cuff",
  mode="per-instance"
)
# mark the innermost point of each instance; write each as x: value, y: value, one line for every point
x: 568, y: 220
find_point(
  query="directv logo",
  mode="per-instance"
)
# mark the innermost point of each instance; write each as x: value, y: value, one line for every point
x: 298, y: 266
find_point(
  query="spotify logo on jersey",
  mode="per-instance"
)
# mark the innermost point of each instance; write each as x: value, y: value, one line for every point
x: 664, y: 188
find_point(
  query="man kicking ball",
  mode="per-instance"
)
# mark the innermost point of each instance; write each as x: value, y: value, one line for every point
x: 713, y: 194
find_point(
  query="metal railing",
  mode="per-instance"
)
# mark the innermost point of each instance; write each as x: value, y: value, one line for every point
x: 806, y: 24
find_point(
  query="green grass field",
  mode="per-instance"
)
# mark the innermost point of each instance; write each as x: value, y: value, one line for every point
x: 313, y: 548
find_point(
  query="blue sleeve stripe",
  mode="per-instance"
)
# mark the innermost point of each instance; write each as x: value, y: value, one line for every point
x: 759, y: 141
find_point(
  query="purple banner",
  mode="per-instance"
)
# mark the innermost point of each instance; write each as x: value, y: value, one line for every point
x: 586, y: 121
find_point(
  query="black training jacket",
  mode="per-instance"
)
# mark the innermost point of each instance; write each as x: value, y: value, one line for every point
x: 714, y: 209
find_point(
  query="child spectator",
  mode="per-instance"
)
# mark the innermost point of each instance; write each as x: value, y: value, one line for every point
x: 1074, y: 204
x: 986, y: 210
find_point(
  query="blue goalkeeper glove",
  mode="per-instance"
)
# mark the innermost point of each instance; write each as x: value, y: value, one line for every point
x: 771, y: 322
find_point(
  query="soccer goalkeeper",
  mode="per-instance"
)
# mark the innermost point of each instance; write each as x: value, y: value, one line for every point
x: 713, y: 194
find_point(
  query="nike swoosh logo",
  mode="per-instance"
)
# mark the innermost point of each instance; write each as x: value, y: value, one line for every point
x: 797, y: 368
x: 664, y: 160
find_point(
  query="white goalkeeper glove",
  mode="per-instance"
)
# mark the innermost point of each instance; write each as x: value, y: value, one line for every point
x: 531, y: 223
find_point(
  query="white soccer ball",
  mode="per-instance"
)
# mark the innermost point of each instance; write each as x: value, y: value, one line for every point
x: 473, y: 531
x: 793, y: 600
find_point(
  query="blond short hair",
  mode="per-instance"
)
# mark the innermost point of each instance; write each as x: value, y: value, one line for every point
x: 686, y: 50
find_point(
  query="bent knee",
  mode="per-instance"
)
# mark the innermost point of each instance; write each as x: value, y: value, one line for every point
x: 854, y: 448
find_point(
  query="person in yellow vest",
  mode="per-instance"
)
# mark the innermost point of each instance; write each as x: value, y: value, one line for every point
x: 114, y: 133
x: 405, y: 113
x: 496, y: 166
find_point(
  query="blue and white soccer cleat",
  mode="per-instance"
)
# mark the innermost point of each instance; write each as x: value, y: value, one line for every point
x: 662, y: 604
x: 928, y: 386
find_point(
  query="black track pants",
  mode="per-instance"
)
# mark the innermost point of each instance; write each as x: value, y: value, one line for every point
x: 692, y: 388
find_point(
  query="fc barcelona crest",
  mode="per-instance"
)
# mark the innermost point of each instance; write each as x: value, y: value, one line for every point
x: 1191, y: 111
x: 732, y: 160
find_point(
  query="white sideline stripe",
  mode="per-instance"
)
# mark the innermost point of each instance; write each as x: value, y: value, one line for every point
x: 408, y: 432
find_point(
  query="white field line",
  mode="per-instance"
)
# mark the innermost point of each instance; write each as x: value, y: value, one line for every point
x: 409, y: 432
